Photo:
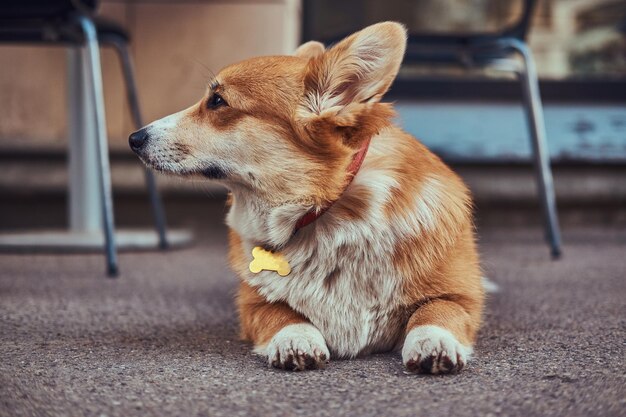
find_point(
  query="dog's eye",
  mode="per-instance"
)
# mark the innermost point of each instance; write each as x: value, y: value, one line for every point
x: 215, y: 101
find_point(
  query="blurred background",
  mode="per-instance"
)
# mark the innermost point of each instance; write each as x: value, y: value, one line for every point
x: 471, y: 118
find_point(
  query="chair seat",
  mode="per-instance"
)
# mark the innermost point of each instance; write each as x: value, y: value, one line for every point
x: 455, y: 39
x: 467, y: 49
x: 55, y: 30
x: 44, y: 9
x: 454, y: 48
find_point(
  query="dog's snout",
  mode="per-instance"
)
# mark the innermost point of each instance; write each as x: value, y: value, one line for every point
x: 138, y: 139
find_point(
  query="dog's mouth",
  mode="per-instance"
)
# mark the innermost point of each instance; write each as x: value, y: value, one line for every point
x: 176, y: 159
x: 214, y: 172
x: 211, y: 170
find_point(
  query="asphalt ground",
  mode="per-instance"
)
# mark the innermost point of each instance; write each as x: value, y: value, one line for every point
x: 162, y: 339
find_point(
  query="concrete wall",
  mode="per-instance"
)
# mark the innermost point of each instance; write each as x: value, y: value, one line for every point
x: 176, y: 45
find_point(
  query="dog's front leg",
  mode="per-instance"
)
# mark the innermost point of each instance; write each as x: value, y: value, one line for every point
x: 285, y: 337
x: 439, y: 337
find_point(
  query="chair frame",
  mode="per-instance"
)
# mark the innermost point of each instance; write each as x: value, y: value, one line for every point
x: 493, y: 50
x: 89, y: 42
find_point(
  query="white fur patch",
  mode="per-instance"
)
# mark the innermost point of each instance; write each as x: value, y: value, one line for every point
x: 427, y: 210
x: 166, y: 125
x: 433, y: 349
x: 296, y: 347
x: 158, y: 151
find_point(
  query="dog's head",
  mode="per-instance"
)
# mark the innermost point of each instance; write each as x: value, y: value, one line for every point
x: 284, y: 127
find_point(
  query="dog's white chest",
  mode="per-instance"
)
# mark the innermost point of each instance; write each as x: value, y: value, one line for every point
x: 348, y: 291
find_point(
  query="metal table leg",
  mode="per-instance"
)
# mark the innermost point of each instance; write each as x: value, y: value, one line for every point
x: 90, y: 206
x: 93, y: 76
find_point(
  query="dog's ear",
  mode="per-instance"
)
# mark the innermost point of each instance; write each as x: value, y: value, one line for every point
x: 311, y: 49
x: 358, y: 70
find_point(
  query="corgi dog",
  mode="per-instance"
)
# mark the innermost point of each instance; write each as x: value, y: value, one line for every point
x: 348, y: 235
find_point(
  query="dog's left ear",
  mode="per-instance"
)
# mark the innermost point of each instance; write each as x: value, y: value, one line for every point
x: 310, y: 50
x: 358, y: 70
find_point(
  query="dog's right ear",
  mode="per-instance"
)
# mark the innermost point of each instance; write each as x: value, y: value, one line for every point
x: 310, y: 50
x: 357, y: 70
x: 343, y: 85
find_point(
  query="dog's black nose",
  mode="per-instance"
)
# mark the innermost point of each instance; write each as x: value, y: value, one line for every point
x: 137, y: 139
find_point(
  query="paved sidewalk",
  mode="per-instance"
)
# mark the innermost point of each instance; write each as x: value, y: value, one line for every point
x: 162, y: 340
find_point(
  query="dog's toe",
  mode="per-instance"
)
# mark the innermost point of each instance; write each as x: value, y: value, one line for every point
x: 297, y: 347
x: 434, y: 350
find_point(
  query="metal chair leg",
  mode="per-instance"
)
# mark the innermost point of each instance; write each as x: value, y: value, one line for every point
x: 93, y: 75
x: 158, y: 212
x: 534, y: 114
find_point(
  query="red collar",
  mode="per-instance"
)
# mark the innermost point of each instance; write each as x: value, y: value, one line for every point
x: 353, y: 169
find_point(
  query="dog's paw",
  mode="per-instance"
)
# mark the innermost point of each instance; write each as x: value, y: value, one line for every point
x: 434, y: 350
x: 297, y: 347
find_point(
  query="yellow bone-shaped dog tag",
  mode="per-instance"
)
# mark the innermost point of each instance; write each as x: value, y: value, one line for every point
x: 269, y: 261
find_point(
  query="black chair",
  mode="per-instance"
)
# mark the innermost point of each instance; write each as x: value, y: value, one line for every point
x: 482, y: 50
x: 72, y: 23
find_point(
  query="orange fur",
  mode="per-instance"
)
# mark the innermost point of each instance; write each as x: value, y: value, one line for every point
x: 260, y: 320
